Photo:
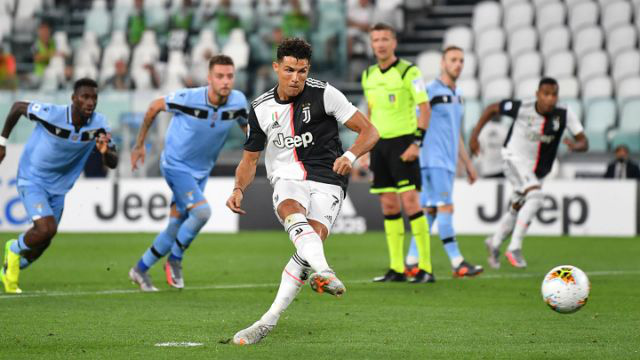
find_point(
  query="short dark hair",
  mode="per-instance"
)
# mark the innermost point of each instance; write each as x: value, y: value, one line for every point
x: 84, y: 82
x: 621, y: 147
x: 294, y: 47
x: 451, y: 48
x: 547, y: 81
x: 220, y: 60
x: 383, y: 26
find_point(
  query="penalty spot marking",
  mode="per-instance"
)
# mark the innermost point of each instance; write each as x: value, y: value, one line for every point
x: 178, y: 344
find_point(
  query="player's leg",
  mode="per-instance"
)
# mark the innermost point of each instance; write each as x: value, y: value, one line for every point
x: 427, y: 200
x: 533, y: 201
x: 32, y: 243
x: 420, y: 231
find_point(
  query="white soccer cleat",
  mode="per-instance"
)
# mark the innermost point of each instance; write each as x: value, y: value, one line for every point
x: 327, y: 281
x: 494, y: 253
x: 516, y: 259
x: 142, y: 279
x: 253, y: 334
x: 173, y: 271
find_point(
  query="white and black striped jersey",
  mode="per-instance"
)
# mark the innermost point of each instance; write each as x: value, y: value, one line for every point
x: 533, y: 138
x: 301, y: 134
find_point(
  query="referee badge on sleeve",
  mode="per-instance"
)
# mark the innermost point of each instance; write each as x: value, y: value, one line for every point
x: 418, y: 85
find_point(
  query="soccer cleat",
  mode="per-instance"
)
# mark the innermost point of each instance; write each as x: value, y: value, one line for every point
x: 516, y: 259
x: 391, y: 276
x: 253, y: 334
x: 327, y: 281
x: 173, y: 270
x: 466, y: 269
x: 423, y: 277
x: 10, y: 270
x: 494, y: 253
x: 142, y: 279
x: 411, y: 271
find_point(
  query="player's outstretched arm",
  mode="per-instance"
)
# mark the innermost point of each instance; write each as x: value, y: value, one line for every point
x: 245, y: 172
x: 491, y: 111
x: 367, y: 137
x: 138, y: 152
x: 18, y: 109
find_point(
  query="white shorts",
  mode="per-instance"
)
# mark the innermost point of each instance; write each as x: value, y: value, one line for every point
x: 322, y: 201
x: 520, y: 175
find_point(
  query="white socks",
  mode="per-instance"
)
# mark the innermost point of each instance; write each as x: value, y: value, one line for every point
x: 506, y: 227
x: 306, y: 241
x: 533, y: 202
x: 293, y: 277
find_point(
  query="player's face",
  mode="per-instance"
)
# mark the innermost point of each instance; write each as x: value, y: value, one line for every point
x: 383, y: 44
x: 221, y: 79
x: 292, y: 73
x: 85, y: 99
x: 547, y: 97
x: 452, y: 63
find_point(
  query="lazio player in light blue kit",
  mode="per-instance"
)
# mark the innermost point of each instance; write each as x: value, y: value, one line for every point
x: 442, y: 147
x: 52, y: 160
x: 202, y: 118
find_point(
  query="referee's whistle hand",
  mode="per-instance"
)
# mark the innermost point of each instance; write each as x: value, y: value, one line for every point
x: 342, y: 166
x: 411, y: 154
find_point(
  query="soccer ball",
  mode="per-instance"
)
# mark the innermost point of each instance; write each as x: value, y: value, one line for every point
x: 565, y: 289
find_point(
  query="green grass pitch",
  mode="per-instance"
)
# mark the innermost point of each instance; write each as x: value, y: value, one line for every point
x: 78, y: 303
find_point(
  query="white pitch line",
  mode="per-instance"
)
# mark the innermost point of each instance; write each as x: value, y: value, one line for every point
x: 178, y: 344
x: 44, y: 293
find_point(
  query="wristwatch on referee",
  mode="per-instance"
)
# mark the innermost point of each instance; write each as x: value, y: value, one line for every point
x: 419, y: 136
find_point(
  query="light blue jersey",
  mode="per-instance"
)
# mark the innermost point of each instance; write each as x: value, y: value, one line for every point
x: 440, y: 148
x: 56, y: 152
x: 198, y: 129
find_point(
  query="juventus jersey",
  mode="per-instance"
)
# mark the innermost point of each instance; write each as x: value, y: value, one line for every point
x: 301, y: 134
x: 534, y: 138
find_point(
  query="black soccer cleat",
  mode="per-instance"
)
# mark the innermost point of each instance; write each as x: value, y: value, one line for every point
x: 423, y: 277
x: 466, y: 269
x: 391, y: 276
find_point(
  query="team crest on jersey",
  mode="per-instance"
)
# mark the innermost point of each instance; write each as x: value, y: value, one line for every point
x: 306, y: 113
x: 74, y: 137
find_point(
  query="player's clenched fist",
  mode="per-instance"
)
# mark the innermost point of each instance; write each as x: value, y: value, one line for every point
x: 102, y: 143
x: 342, y: 166
x: 235, y: 200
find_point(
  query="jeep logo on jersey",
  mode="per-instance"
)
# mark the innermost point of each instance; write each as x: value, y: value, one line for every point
x: 290, y: 142
x: 306, y: 113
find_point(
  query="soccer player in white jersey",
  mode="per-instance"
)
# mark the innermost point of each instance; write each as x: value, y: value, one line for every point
x: 528, y: 153
x: 296, y: 124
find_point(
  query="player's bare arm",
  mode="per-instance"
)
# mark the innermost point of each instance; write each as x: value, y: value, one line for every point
x: 488, y: 114
x: 138, y: 152
x: 413, y: 151
x: 18, y: 109
x: 109, y: 153
x: 472, y: 174
x: 245, y: 173
x: 367, y: 138
x: 580, y: 144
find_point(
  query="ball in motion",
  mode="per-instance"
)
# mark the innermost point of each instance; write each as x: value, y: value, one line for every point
x: 565, y: 289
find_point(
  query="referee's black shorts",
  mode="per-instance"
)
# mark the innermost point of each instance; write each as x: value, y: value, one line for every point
x: 390, y: 173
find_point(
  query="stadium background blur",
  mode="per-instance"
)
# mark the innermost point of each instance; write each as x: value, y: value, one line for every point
x: 141, y: 49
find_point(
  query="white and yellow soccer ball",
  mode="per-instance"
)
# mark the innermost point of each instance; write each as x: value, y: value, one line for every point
x: 565, y: 289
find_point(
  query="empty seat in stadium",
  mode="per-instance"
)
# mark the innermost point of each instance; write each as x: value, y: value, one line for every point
x: 472, y: 112
x: 571, y: 3
x: 121, y: 10
x: 560, y: 64
x: 629, y: 88
x: 200, y: 54
x: 526, y: 65
x: 237, y: 48
x: 53, y: 74
x: 583, y: 14
x: 487, y: 14
x: 550, y: 15
x: 156, y: 17
x: 116, y: 50
x: 492, y: 66
x: 555, y: 40
x: 518, y: 15
x: 522, y: 40
x: 616, y: 13
x: 147, y: 50
x: 507, y: 3
x: 568, y: 87
x: 429, y: 63
x: 6, y: 22
x: 123, y: 4
x: 62, y: 43
x: 470, y: 65
x: 540, y: 3
x: 497, y: 89
x: 622, y: 38
x: 626, y: 64
x: 588, y: 39
x: 98, y: 19
x: 629, y: 129
x: 89, y: 44
x: 599, y: 87
x: 488, y: 41
x: 85, y: 71
x: 460, y: 36
x: 469, y: 87
x: 600, y: 119
x: 176, y: 71
x: 7, y: 6
x: 27, y: 9
x: 527, y: 88
x: 593, y: 64
x: 574, y: 105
